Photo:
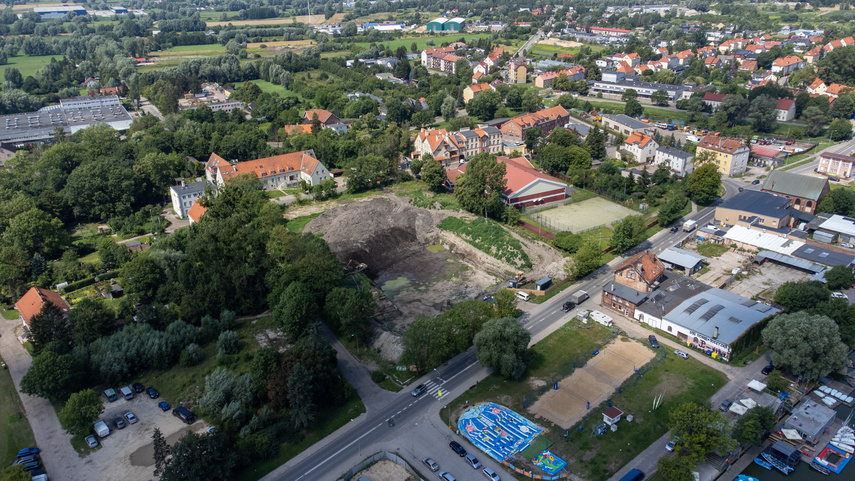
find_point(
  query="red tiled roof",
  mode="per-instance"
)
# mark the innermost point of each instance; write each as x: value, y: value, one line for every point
x: 711, y: 97
x: 298, y: 129
x: 196, y: 211
x: 323, y: 115
x: 534, y: 119
x: 32, y: 302
x: 638, y: 138
x: 295, y: 161
x: 785, y: 104
x: 721, y: 144
x: 480, y: 87
x: 648, y: 265
x: 817, y: 82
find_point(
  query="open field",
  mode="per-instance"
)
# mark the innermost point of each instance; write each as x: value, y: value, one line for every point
x: 560, y: 43
x: 282, y: 43
x: 15, y: 431
x: 313, y: 20
x: 593, y: 383
x: 581, y: 216
x: 28, y: 65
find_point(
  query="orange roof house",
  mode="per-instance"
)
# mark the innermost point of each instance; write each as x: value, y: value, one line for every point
x: 32, y: 302
x: 327, y: 118
x: 275, y: 172
x: 196, y: 212
x: 640, y: 271
x: 298, y: 129
x: 524, y: 186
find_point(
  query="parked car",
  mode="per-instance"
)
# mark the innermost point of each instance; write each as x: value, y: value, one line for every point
x: 683, y: 354
x: 152, y: 393
x: 3, y: 365
x: 768, y: 369
x: 755, y: 182
x: 91, y: 441
x: 163, y: 405
x: 28, y: 451
x: 741, y: 189
x: 138, y: 387
x: 184, y: 414
x: 419, y: 390
x: 653, y: 342
x: 725, y: 405
x: 132, y: 419
x: 26, y: 459
x: 446, y: 476
x: 670, y: 446
x: 120, y: 423
x: 847, y: 245
x: 457, y: 448
x: 473, y: 461
x: 839, y: 295
x: 32, y: 466
x: 431, y: 464
x: 491, y: 475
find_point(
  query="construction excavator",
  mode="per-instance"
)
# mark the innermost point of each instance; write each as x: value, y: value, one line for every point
x: 354, y: 266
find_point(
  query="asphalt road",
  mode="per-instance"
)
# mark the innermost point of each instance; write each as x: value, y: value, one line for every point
x: 411, y: 426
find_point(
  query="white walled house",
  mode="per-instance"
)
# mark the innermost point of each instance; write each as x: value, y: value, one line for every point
x: 184, y: 195
x: 642, y: 147
x: 678, y: 161
x: 277, y: 172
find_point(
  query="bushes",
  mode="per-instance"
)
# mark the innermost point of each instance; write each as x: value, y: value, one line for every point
x: 567, y: 241
x: 378, y: 376
x: 191, y: 355
x: 227, y: 343
x: 212, y: 327
x: 489, y: 237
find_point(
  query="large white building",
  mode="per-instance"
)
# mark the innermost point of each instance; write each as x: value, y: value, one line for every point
x: 277, y: 172
x: 678, y: 161
x: 184, y: 195
x: 70, y: 115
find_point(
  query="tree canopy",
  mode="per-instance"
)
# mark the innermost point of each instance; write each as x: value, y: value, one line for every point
x: 805, y: 344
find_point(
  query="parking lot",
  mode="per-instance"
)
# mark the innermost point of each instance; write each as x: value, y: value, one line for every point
x: 127, y: 454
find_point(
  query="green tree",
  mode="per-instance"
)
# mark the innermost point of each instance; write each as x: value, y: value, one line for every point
x: 699, y: 431
x: 675, y: 468
x: 422, y: 118
x: 485, y: 105
x: 348, y: 311
x: 775, y: 382
x: 553, y: 158
x: 300, y: 397
x: 196, y: 456
x: 567, y: 241
x: 763, y: 113
x: 704, y: 183
x: 112, y: 255
x: 750, y: 427
x: 633, y: 108
x: 839, y: 277
x: 91, y: 319
x: 49, y: 325
x: 514, y: 98
x: 671, y: 210
x: 735, y: 107
x: 416, y: 165
x: 628, y: 233
x: 659, y: 97
x: 505, y: 302
x: 532, y: 102
x: 839, y: 130
x: 36, y: 231
x: 434, y: 175
x: 479, y: 189
x: 51, y: 376
x: 815, y: 120
x: 587, y: 259
x: 503, y: 345
x: 798, y: 296
x: 532, y: 136
x: 80, y: 412
x: 142, y: 276
x: 629, y: 94
x: 296, y: 310
x: 595, y: 142
x: 161, y: 451
x: 448, y: 109
x: 805, y: 344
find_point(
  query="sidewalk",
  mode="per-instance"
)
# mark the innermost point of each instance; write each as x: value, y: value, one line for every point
x: 373, y: 396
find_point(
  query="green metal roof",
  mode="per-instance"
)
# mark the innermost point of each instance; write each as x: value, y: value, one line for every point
x: 796, y: 185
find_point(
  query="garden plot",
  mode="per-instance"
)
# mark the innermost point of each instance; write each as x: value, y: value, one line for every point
x: 582, y: 216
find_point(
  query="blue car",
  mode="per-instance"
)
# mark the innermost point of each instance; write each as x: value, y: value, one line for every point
x: 152, y: 393
x: 28, y: 451
x: 163, y: 405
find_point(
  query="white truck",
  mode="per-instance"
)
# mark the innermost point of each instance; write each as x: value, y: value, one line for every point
x: 578, y: 297
x: 101, y: 429
x: 690, y: 225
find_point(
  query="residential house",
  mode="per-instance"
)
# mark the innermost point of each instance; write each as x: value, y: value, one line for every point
x: 813, y: 55
x: 627, y: 125
x: 817, y: 87
x: 730, y: 154
x: 327, y: 118
x: 804, y: 191
x: 277, y: 172
x: 492, y: 60
x: 685, y: 57
x: 438, y: 144
x: 633, y: 59
x: 834, y: 90
x: 786, y: 109
x: 299, y: 129
x: 753, y: 208
x: 678, y: 161
x: 196, y: 212
x: 525, y: 186
x: 836, y: 164
x: 440, y: 59
x: 472, y: 91
x: 642, y: 147
x: 427, y: 54
x: 517, y: 71
x: 545, y: 120
x: 787, y: 65
x: 34, y: 300
x: 546, y: 79
x: 843, y: 42
x: 714, y: 100
x: 632, y: 282
x: 477, y: 141
x: 184, y: 195
x: 748, y: 66
x: 713, y: 62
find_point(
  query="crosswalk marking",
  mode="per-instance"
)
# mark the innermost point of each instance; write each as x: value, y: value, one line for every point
x: 436, y: 390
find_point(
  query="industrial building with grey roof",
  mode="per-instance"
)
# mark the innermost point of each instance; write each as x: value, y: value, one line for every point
x: 70, y: 115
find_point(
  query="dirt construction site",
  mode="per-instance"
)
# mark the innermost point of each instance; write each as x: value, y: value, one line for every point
x: 416, y: 268
x: 593, y: 383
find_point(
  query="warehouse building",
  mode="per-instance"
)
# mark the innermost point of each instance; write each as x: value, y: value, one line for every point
x: 440, y: 24
x: 437, y: 25
x: 70, y: 115
x: 59, y: 11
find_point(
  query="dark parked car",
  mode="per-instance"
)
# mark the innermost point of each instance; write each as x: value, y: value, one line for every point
x: 567, y: 306
x: 674, y: 229
x: 419, y: 390
x: 725, y: 405
x: 26, y: 459
x: 120, y: 423
x: 184, y: 414
x: 766, y: 370
x: 163, y: 405
x: 138, y: 387
x: 457, y: 448
x: 28, y: 451
x: 152, y: 393
x: 653, y: 342
x: 755, y: 182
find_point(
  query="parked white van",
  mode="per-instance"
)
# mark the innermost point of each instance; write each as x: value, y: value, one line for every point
x: 523, y: 295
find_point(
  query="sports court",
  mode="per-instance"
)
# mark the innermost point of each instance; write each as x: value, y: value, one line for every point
x: 497, y: 430
x: 593, y: 383
x: 581, y: 216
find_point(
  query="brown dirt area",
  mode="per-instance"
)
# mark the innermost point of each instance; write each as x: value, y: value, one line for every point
x: 313, y: 20
x: 415, y: 267
x: 561, y: 43
x: 593, y: 383
x: 283, y: 43
x: 385, y: 470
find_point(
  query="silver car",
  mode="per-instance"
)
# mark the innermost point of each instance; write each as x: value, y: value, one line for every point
x: 431, y: 464
x: 683, y: 354
x: 91, y: 441
x: 491, y: 475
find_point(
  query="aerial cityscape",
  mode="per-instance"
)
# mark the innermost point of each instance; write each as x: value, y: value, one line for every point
x: 411, y: 240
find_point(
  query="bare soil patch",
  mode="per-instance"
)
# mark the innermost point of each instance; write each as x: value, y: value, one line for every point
x: 593, y: 383
x: 385, y: 470
x: 283, y: 43
x: 561, y: 43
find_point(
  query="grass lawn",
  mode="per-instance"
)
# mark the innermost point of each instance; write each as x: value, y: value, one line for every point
x: 296, y: 225
x: 597, y: 458
x: 10, y: 314
x: 28, y: 65
x: 268, y: 87
x: 421, y: 196
x: 710, y: 249
x: 489, y: 237
x: 15, y: 431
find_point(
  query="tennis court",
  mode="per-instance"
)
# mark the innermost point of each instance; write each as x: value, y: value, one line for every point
x: 578, y: 217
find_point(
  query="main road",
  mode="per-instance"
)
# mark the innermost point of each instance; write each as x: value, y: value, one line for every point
x: 408, y: 424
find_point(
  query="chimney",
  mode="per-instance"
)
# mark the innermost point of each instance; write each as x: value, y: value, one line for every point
x: 715, y: 334
x: 613, y: 286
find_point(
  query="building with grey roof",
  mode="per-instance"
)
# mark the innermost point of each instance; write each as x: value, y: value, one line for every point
x: 678, y: 259
x: 753, y: 208
x: 713, y: 319
x: 825, y: 256
x: 59, y: 11
x: 841, y: 226
x: 184, y: 195
x: 70, y: 115
x: 626, y: 125
x: 804, y: 191
x: 678, y: 161
x: 810, y: 419
x: 673, y: 290
x: 644, y: 89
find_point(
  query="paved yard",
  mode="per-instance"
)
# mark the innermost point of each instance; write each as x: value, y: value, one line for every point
x: 113, y: 460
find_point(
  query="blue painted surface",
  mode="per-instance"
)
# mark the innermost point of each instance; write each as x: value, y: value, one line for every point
x: 497, y: 430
